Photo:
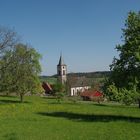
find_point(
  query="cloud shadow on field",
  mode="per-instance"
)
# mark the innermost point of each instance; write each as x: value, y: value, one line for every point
x: 90, y: 117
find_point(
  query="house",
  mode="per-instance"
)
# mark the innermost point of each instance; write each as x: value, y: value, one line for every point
x: 92, y: 95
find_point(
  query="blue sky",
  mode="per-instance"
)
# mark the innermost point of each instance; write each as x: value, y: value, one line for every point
x: 85, y: 31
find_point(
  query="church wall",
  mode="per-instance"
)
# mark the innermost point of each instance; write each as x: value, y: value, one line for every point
x: 76, y: 90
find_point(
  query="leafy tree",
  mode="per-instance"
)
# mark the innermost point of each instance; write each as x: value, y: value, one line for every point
x: 120, y: 94
x: 58, y: 87
x: 6, y: 77
x: 126, y: 69
x: 21, y: 75
x: 59, y: 91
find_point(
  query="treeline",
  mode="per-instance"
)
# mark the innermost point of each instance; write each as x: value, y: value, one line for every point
x: 98, y: 74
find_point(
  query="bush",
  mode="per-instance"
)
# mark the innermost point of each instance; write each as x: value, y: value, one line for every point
x: 127, y: 96
x: 59, y: 96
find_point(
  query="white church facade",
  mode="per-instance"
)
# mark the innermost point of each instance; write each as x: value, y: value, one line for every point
x: 74, y: 91
x: 75, y: 88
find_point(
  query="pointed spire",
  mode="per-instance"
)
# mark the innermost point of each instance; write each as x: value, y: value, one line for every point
x: 61, y: 61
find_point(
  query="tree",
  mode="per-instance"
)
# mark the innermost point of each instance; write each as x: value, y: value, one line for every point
x: 8, y: 38
x: 21, y: 75
x: 58, y: 87
x: 59, y: 90
x: 126, y: 69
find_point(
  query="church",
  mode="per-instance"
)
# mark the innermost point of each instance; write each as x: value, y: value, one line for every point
x: 77, y: 85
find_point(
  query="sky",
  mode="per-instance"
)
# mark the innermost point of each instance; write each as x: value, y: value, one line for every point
x: 84, y: 31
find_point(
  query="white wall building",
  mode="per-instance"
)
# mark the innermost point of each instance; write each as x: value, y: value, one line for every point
x: 74, y: 91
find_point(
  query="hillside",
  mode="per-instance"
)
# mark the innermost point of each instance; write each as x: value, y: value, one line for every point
x: 97, y: 74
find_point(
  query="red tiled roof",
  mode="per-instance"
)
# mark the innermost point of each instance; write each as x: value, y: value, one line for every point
x: 91, y: 93
x: 46, y: 86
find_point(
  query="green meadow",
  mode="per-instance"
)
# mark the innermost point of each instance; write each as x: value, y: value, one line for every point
x: 41, y: 118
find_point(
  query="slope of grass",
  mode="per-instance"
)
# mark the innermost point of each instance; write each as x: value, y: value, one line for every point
x: 46, y: 119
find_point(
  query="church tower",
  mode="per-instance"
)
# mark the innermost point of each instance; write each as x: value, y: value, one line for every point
x: 62, y: 71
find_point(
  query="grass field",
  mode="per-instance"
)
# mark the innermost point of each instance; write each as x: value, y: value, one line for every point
x: 46, y: 119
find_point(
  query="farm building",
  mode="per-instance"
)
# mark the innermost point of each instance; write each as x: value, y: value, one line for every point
x: 92, y: 95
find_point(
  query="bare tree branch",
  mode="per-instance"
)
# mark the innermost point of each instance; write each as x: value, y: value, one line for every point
x: 8, y: 38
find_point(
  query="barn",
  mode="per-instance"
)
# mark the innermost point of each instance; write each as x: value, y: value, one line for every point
x: 92, y: 95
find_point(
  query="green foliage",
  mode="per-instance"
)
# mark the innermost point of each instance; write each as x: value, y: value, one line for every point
x: 20, y: 69
x: 113, y: 93
x: 59, y: 91
x: 58, y: 87
x: 59, y: 96
x: 125, y: 69
x: 121, y: 94
x: 127, y: 96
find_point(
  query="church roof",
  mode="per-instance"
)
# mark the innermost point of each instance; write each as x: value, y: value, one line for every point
x: 78, y: 82
x: 61, y: 61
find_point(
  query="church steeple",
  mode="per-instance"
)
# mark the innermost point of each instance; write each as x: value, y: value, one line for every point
x: 62, y: 71
x: 61, y: 61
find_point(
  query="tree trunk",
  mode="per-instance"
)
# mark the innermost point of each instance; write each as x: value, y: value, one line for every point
x: 21, y: 98
x: 139, y: 102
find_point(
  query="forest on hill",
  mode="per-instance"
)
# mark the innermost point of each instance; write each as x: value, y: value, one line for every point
x: 97, y: 74
x: 94, y: 76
